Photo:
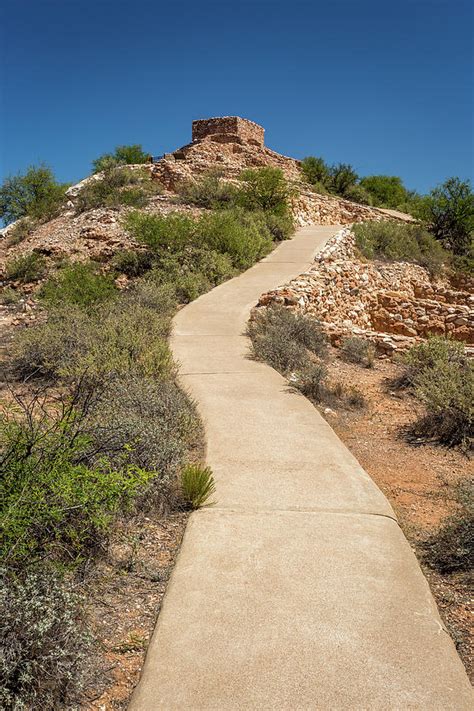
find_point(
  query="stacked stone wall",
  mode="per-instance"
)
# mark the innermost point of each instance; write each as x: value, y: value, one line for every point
x: 227, y: 128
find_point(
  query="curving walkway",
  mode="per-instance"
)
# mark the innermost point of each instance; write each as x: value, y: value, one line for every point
x: 298, y: 589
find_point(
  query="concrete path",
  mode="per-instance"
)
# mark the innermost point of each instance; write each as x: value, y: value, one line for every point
x: 298, y: 589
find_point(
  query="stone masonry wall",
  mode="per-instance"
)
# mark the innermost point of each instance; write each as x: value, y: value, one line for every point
x: 394, y: 305
x: 229, y: 127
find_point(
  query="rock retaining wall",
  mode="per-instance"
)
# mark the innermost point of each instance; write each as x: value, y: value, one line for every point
x: 392, y: 304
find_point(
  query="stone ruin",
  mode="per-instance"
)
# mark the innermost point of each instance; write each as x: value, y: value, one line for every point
x: 228, y: 129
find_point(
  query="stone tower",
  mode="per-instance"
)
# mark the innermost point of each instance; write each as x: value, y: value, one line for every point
x: 228, y: 129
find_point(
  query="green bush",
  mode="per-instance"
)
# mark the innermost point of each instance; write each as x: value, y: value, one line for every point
x: 358, y: 350
x: 46, y: 650
x: 281, y: 226
x: 357, y: 193
x: 112, y: 190
x: 443, y: 379
x: 20, y: 230
x: 161, y: 233
x: 9, y: 296
x: 147, y: 423
x: 208, y: 191
x: 125, y: 336
x: 449, y: 213
x: 283, y: 338
x: 236, y: 233
x: 132, y: 262
x: 317, y: 172
x: 451, y: 548
x: 264, y: 189
x: 386, y: 190
x: 197, y: 485
x: 342, y: 177
x: 26, y: 268
x: 192, y: 271
x: 80, y: 284
x: 399, y: 242
x: 123, y: 155
x: 311, y: 381
x: 54, y: 505
x: 36, y: 194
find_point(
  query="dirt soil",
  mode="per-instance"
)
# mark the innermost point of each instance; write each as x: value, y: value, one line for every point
x: 124, y: 593
x: 418, y: 478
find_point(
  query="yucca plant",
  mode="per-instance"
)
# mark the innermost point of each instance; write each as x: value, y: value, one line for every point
x: 197, y: 485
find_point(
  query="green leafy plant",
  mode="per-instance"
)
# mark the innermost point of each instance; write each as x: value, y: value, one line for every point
x: 449, y: 213
x: 283, y: 338
x: 357, y: 193
x: 342, y: 178
x: 209, y: 191
x: 442, y: 377
x: 36, y: 194
x: 112, y: 190
x: 53, y: 504
x: 132, y: 262
x: 316, y: 171
x: 385, y: 190
x: 46, y: 647
x: 20, y: 230
x: 127, y: 335
x: 26, y: 268
x: 399, y: 242
x: 264, y: 189
x: 311, y: 381
x: 80, y: 283
x: 123, y: 155
x: 197, y: 485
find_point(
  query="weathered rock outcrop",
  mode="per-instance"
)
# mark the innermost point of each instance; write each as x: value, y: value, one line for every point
x: 392, y: 304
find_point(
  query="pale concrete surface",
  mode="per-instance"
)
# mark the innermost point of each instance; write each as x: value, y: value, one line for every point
x: 298, y: 589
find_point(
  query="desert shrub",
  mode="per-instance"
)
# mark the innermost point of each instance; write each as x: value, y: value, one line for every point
x: 311, y: 381
x: 399, y: 242
x: 20, y: 230
x: 357, y: 193
x: 319, y: 188
x: 342, y: 177
x: 264, y: 189
x: 449, y: 213
x: 26, y: 268
x: 147, y: 423
x: 281, y: 226
x: 53, y: 504
x: 46, y: 649
x: 236, y: 233
x: 208, y: 191
x: 355, y: 399
x: 317, y: 172
x: 161, y: 233
x: 385, y: 190
x: 442, y: 377
x: 80, y: 283
x: 132, y: 262
x: 282, y: 338
x: 358, y: 350
x: 9, y: 296
x: 112, y: 190
x: 192, y: 271
x: 123, y: 155
x: 197, y: 485
x: 125, y: 336
x: 451, y: 548
x: 36, y: 194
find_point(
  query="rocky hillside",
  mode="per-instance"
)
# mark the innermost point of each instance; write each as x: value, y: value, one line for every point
x: 98, y: 233
x: 393, y: 304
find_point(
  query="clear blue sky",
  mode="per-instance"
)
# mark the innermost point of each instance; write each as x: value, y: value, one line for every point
x: 386, y: 86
